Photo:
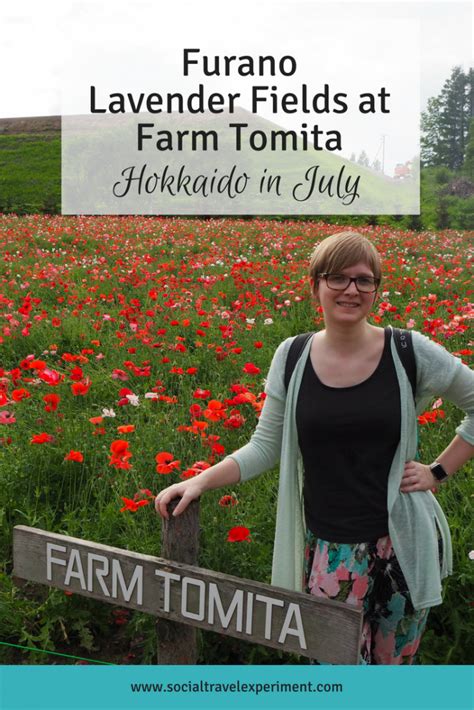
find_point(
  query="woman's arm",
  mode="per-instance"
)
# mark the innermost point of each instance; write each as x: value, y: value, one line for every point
x: 440, y: 373
x: 418, y: 477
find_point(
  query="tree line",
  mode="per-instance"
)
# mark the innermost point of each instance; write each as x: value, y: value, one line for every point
x: 447, y: 155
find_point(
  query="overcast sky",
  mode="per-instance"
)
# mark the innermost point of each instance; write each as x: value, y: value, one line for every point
x: 35, y: 36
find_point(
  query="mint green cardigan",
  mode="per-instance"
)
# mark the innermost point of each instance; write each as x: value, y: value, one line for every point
x: 413, y: 518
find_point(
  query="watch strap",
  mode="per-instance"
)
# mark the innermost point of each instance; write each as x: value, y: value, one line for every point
x: 438, y: 471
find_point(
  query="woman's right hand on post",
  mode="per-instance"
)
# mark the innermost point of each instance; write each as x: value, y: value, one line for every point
x: 224, y: 473
x: 187, y: 491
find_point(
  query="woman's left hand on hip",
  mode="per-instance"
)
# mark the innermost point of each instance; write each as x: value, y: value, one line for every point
x: 417, y: 477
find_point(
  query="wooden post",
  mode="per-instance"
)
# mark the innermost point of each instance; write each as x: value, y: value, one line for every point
x: 177, y: 643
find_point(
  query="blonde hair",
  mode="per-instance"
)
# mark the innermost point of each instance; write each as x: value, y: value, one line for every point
x: 341, y: 250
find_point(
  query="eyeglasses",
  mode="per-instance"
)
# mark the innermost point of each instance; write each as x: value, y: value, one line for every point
x: 339, y: 282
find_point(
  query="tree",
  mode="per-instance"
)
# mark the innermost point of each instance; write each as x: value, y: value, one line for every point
x: 468, y: 165
x: 431, y: 133
x: 445, y: 123
x: 363, y: 159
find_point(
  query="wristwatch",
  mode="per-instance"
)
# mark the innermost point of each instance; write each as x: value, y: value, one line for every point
x: 438, y: 472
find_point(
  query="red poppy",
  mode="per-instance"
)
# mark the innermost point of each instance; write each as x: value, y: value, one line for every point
x: 96, y: 420
x: 189, y: 473
x: 74, y: 456
x: 51, y: 401
x: 238, y: 534
x: 250, y: 369
x: 126, y: 428
x: 430, y: 416
x: 133, y: 505
x: 165, y: 468
x: 235, y: 420
x: 200, y: 466
x: 76, y: 374
x: 42, y: 438
x: 119, y: 447
x: 227, y: 501
x: 195, y: 411
x: 19, y: 394
x: 121, y: 462
x: 218, y: 449
x: 120, y: 454
x: 80, y: 388
x: 168, y: 400
x: 37, y: 364
x: 163, y: 457
x: 165, y: 463
x: 215, y: 410
x: 201, y: 394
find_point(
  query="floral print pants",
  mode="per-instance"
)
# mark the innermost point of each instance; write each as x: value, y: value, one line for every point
x: 367, y: 575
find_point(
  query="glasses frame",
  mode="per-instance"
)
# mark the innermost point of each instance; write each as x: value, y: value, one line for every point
x: 351, y: 279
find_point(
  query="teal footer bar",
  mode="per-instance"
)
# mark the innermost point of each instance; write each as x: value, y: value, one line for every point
x: 275, y: 687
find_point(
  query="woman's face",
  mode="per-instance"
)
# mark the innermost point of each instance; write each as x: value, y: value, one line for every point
x: 348, y: 305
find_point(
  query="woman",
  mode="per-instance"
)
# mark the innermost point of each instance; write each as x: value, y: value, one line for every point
x: 356, y: 519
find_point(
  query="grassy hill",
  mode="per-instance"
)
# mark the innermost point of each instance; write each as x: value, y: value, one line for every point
x: 30, y: 164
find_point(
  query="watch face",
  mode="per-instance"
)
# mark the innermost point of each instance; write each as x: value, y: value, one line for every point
x: 438, y: 472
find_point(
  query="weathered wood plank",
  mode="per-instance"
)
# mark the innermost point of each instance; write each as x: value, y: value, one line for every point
x: 177, y: 643
x: 275, y: 617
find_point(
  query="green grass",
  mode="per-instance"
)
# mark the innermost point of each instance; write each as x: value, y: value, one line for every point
x: 30, y: 173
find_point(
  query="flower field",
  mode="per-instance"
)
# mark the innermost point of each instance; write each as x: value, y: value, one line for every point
x: 133, y: 355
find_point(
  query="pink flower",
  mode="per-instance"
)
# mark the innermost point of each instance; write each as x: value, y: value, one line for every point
x: 119, y: 375
x: 7, y: 417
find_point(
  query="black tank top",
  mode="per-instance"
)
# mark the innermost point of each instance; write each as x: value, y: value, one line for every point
x: 348, y: 437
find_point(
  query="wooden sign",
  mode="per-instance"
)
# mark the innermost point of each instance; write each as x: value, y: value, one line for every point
x: 260, y: 613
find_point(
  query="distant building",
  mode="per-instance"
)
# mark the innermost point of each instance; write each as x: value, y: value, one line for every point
x: 403, y: 170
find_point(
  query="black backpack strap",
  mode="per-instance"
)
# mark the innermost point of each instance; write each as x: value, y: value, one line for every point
x: 404, y: 344
x: 294, y: 354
